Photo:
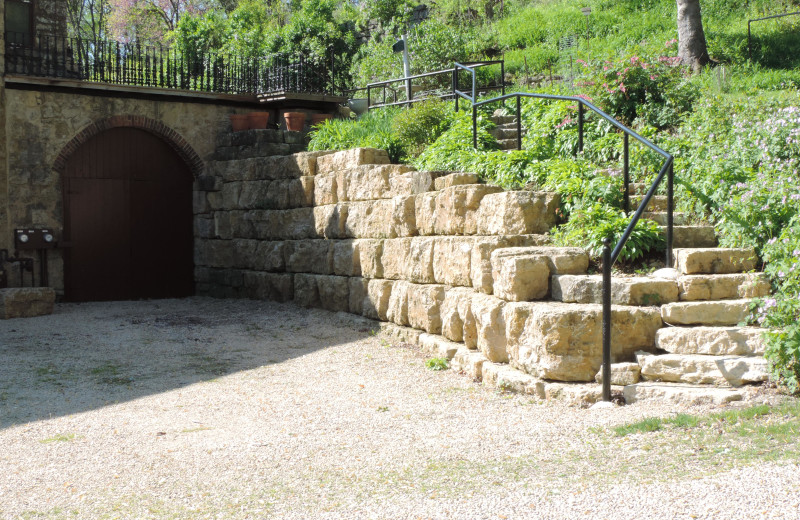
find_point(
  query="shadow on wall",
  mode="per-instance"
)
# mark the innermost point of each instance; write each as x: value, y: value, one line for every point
x: 91, y: 355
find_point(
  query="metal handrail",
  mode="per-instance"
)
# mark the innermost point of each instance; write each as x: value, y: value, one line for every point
x: 609, y: 256
x: 749, y: 54
x: 378, y: 85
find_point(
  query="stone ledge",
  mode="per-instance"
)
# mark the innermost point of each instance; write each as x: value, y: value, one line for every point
x: 26, y: 302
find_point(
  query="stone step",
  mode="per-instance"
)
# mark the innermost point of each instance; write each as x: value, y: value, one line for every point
x: 703, y: 370
x: 508, y: 144
x: 681, y: 393
x: 657, y: 203
x: 660, y: 217
x: 723, y: 312
x: 711, y: 341
x: 506, y: 133
x: 692, y: 236
x: 500, y: 119
x: 624, y: 291
x: 715, y: 260
x: 638, y: 188
x: 694, y: 287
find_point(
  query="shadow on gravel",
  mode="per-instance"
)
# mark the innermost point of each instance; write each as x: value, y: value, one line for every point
x: 91, y: 355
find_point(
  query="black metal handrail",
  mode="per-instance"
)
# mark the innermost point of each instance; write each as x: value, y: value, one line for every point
x: 142, y: 65
x: 609, y: 256
x: 749, y: 53
x: 447, y: 92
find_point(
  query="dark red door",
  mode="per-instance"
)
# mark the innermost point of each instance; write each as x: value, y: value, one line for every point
x: 127, y: 219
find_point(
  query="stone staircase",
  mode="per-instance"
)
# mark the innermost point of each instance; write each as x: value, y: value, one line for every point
x: 505, y: 130
x: 684, y: 234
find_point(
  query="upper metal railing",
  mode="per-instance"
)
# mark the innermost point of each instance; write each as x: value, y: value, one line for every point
x: 609, y: 256
x: 749, y: 52
x: 441, y: 84
x: 140, y: 65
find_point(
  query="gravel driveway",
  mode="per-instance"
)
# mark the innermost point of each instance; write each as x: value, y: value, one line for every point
x: 203, y: 408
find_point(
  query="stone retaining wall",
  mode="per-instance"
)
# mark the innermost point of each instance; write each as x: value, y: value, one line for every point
x: 347, y: 231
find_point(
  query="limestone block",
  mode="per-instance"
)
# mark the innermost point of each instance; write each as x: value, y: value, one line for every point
x: 348, y: 159
x: 26, y: 302
x: 253, y: 195
x: 455, y: 179
x: 520, y: 277
x: 223, y: 227
x: 724, y: 312
x: 699, y: 369
x: 357, y: 291
x: 564, y: 341
x: 376, y: 302
x: 374, y: 182
x: 203, y: 226
x: 308, y: 256
x: 715, y: 260
x: 269, y: 256
x: 624, y: 291
x: 244, y: 253
x: 481, y: 258
x: 330, y: 221
x: 269, y: 286
x: 457, y: 208
x: 403, y: 216
x: 285, y: 167
x: 457, y: 301
x: 395, y: 257
x: 290, y: 224
x: 424, y: 302
x: 215, y: 253
x: 370, y: 253
x: 410, y: 183
x: 370, y: 219
x: 334, y: 293
x: 692, y: 236
x: 325, y: 189
x: 424, y: 212
x: 419, y: 264
x: 452, y: 258
x: 621, y: 374
x: 576, y: 394
x: 508, y: 379
x: 561, y: 260
x: 490, y: 327
x: 470, y: 362
x: 680, y: 393
x: 397, y: 312
x: 518, y: 213
x: 437, y: 346
x: 723, y: 286
x: 346, y: 258
x: 306, y: 291
x: 231, y: 191
x: 307, y: 197
x: 200, y: 203
x: 713, y: 341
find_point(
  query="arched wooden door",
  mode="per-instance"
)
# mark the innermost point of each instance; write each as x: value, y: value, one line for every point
x: 127, y: 219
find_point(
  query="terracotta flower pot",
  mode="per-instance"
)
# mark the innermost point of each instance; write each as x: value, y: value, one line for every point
x: 258, y: 120
x: 239, y: 122
x: 319, y: 118
x: 294, y: 120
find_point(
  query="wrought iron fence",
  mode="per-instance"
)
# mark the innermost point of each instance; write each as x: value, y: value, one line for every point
x: 136, y: 64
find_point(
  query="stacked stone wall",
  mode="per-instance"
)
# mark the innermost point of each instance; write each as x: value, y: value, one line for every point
x: 440, y: 253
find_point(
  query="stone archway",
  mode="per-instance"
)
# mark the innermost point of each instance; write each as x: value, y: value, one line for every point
x: 127, y: 192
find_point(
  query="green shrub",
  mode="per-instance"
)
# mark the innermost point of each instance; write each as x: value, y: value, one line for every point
x: 373, y: 129
x: 589, y: 225
x: 421, y: 125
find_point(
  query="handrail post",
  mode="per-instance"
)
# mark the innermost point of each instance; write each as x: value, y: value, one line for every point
x: 519, y: 125
x: 455, y: 87
x: 749, y: 54
x: 626, y: 175
x: 607, y: 319
x: 670, y: 209
x: 474, y: 126
x: 503, y: 77
x: 580, y: 127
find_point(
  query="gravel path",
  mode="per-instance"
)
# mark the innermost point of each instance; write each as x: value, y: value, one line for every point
x: 202, y: 408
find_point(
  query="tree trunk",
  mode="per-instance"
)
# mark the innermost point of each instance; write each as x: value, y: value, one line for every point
x: 691, y: 39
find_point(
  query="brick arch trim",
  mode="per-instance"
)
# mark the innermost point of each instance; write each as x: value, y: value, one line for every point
x: 157, y: 128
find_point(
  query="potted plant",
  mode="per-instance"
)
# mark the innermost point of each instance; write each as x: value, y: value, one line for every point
x: 294, y: 120
x: 258, y: 120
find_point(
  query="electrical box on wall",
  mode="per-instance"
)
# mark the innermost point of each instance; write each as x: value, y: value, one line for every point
x: 34, y: 238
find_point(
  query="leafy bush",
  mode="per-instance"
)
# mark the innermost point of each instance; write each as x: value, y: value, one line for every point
x: 421, y: 125
x: 373, y: 129
x: 588, y: 226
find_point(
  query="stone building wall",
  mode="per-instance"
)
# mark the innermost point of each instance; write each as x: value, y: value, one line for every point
x: 465, y: 263
x: 39, y: 127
